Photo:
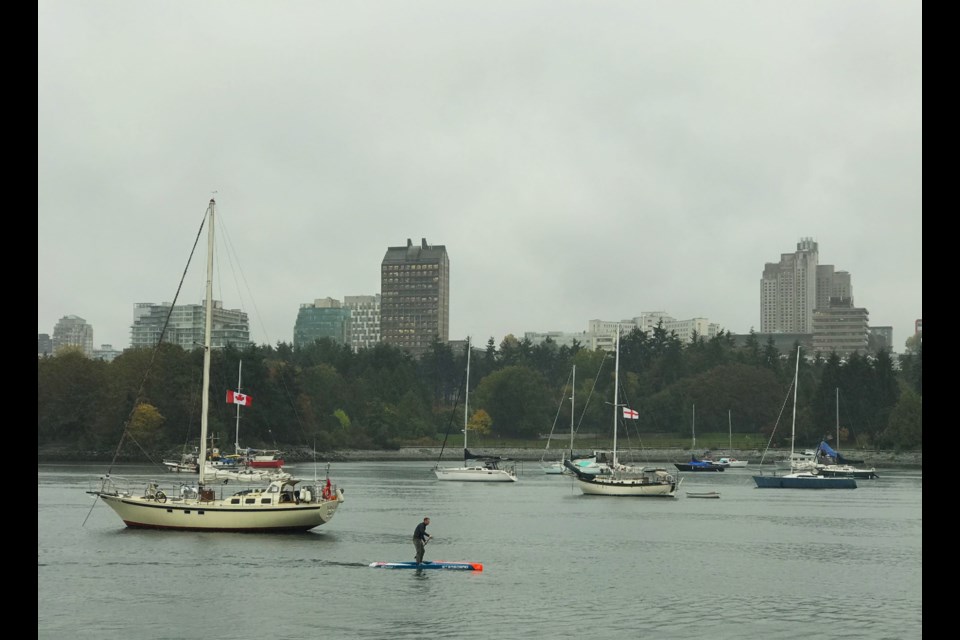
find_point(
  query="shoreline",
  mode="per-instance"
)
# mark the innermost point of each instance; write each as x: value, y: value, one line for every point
x: 910, y: 459
x: 871, y: 458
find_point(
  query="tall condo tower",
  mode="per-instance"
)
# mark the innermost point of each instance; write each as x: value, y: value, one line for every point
x: 788, y: 291
x: 415, y: 296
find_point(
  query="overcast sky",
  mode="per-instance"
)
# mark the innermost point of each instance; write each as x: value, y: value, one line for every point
x: 578, y: 160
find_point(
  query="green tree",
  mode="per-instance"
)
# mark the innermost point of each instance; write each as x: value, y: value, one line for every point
x: 905, y: 430
x: 518, y: 401
x: 480, y: 422
x: 911, y: 367
x: 145, y: 426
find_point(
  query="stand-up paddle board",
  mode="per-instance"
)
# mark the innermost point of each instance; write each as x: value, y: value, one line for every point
x: 435, y: 564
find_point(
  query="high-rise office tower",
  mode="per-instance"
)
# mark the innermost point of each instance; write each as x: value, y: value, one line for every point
x: 44, y: 345
x: 322, y: 318
x: 415, y: 296
x: 800, y: 296
x: 788, y: 291
x: 73, y: 331
x: 832, y: 284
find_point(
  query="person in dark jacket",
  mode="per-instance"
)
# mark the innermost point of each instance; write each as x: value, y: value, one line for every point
x: 420, y: 537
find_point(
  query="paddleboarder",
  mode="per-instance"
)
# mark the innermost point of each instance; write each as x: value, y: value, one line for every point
x: 420, y: 537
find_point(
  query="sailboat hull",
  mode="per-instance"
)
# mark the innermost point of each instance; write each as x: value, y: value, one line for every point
x: 803, y: 481
x: 252, y: 510
x: 474, y: 474
x: 244, y: 474
x: 609, y: 486
x: 636, y: 482
x: 687, y: 466
x: 846, y: 471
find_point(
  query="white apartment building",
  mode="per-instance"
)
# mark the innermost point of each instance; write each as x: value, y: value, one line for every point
x: 364, y: 330
x: 186, y: 325
x: 73, y: 331
x: 602, y: 334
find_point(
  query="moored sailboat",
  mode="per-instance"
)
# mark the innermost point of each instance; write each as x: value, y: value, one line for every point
x: 619, y: 479
x: 288, y: 504
x: 254, y: 458
x: 476, y: 468
x: 695, y: 463
x: 187, y: 463
x: 239, y: 466
x: 729, y: 461
x: 801, y: 478
x: 833, y: 464
x: 556, y: 467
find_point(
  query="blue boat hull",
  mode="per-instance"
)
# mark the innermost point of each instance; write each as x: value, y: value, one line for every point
x: 681, y: 466
x: 788, y: 482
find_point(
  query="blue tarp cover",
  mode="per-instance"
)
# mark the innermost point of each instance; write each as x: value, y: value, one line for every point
x: 827, y: 449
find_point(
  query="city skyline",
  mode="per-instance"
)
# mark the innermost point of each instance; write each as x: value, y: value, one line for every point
x: 631, y: 157
x: 366, y: 322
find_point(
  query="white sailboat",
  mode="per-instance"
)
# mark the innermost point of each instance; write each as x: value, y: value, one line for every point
x: 475, y: 468
x: 238, y: 467
x: 840, y: 467
x: 556, y: 467
x: 730, y: 461
x: 256, y: 458
x: 619, y: 479
x: 801, y: 478
x: 283, y: 505
x: 235, y: 468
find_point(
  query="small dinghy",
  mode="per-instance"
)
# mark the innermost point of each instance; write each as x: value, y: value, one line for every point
x: 703, y: 494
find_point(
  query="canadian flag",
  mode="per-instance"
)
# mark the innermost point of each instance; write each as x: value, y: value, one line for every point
x: 631, y: 414
x: 234, y: 397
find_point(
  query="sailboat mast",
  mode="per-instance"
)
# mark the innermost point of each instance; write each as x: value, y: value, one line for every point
x: 693, y: 425
x: 616, y: 389
x: 573, y: 393
x: 793, y: 424
x: 236, y: 441
x: 838, y: 419
x: 207, y: 331
x: 730, y: 431
x: 466, y: 401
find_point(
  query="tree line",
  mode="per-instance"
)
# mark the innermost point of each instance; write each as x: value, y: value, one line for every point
x: 325, y: 396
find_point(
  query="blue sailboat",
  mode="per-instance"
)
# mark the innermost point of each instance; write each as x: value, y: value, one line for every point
x: 804, y: 479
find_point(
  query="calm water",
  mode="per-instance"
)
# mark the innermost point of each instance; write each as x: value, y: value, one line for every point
x: 763, y: 564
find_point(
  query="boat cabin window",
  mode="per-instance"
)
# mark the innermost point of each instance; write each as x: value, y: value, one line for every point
x: 265, y: 500
x: 250, y: 501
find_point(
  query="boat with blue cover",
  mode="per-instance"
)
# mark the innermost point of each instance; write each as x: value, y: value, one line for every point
x: 696, y: 464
